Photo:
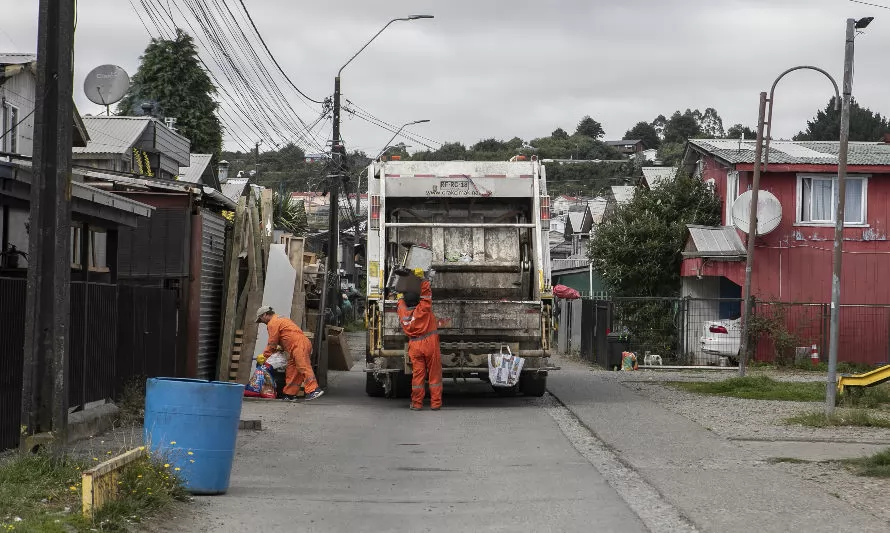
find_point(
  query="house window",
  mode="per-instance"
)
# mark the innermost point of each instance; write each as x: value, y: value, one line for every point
x: 9, y: 125
x: 817, y: 199
x: 732, y: 192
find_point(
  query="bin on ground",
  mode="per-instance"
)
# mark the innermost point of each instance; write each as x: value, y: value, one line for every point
x: 192, y: 425
x: 616, y: 344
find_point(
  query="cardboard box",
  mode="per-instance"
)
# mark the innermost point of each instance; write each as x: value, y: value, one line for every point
x: 339, y: 356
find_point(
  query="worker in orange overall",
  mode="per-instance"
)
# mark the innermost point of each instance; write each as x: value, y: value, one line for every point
x: 283, y: 331
x: 419, y: 324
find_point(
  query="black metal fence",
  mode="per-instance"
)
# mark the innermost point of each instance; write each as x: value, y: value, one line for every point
x: 116, y: 333
x: 707, y: 331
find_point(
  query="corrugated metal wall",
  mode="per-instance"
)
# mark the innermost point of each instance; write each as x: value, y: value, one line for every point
x: 213, y: 252
x: 158, y: 247
x: 12, y: 351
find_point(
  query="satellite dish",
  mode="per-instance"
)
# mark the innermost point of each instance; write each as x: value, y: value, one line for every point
x: 769, y: 212
x: 106, y: 84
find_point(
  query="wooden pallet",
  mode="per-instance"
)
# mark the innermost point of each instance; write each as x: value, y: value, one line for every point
x: 236, y: 355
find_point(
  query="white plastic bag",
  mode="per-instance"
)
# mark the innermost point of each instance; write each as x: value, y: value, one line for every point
x: 277, y: 360
x: 504, y: 368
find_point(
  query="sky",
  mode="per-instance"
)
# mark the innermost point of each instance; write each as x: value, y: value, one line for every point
x: 487, y: 68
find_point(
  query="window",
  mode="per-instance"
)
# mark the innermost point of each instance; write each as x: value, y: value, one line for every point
x: 817, y: 200
x: 732, y: 192
x: 9, y: 122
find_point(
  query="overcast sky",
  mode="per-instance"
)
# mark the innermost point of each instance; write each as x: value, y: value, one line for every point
x: 486, y: 68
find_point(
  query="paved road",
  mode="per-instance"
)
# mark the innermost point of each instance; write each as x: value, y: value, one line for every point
x: 347, y: 462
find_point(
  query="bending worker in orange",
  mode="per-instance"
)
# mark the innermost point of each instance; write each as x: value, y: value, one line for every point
x: 283, y: 331
x: 419, y: 324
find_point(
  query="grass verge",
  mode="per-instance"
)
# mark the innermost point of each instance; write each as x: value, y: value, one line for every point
x: 852, y: 417
x: 39, y: 493
x: 758, y: 388
x: 877, y: 465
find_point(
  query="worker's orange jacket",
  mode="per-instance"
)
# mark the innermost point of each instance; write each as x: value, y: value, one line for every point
x: 420, y: 320
x: 283, y: 331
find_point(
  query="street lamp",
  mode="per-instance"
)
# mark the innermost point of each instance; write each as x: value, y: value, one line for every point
x: 748, y: 294
x: 834, y: 325
x: 331, y: 278
x: 396, y: 134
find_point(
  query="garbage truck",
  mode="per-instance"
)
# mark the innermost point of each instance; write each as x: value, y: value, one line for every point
x: 487, y: 226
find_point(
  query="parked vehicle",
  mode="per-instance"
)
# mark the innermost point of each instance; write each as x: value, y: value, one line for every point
x: 487, y: 224
x: 722, y: 338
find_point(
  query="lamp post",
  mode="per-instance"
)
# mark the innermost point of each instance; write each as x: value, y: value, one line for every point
x: 332, y: 278
x: 834, y: 325
x: 748, y: 295
x: 396, y: 134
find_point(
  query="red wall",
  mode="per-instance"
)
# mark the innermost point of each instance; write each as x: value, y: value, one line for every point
x: 794, y: 263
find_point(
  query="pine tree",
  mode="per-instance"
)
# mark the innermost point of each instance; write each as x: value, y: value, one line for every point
x: 170, y: 74
x: 865, y: 125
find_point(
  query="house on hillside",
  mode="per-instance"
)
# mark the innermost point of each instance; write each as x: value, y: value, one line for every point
x: 562, y: 203
x: 793, y: 262
x: 627, y: 146
x: 655, y: 176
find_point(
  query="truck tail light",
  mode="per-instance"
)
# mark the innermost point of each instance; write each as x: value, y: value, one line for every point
x: 545, y: 212
x: 375, y: 211
x: 718, y: 329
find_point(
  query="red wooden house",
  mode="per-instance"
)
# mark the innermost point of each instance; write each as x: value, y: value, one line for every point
x: 793, y: 263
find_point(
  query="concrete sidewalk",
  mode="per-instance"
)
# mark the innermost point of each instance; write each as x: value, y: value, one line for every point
x: 717, y: 484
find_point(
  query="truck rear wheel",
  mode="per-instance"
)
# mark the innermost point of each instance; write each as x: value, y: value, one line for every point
x: 373, y: 387
x: 533, y: 384
x: 400, y: 385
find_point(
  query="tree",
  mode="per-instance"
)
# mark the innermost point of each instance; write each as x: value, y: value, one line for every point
x: 559, y: 134
x: 170, y: 74
x: 865, y: 125
x: 590, y: 128
x: 681, y: 127
x: 737, y: 131
x: 645, y: 132
x: 289, y: 214
x: 710, y: 124
x: 638, y: 250
x: 659, y: 123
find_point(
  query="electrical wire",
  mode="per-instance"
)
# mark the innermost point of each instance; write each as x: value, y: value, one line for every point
x: 263, y: 41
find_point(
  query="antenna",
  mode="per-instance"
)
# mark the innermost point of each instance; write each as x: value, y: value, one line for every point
x: 106, y: 85
x: 170, y: 123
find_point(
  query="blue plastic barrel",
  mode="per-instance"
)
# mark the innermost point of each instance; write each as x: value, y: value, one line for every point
x: 192, y: 425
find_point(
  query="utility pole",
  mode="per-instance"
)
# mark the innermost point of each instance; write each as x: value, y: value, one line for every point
x: 834, y: 325
x: 746, y: 344
x: 256, y: 160
x: 45, y: 373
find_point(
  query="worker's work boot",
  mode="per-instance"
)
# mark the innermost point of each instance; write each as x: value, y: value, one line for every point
x: 288, y: 397
x: 415, y: 408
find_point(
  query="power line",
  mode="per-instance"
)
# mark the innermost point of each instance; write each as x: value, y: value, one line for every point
x: 263, y: 41
x: 870, y: 4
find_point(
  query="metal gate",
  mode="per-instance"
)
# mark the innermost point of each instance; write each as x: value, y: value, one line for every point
x: 12, y: 351
x: 213, y: 252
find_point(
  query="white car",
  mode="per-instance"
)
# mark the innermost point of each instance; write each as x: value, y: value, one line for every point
x: 722, y: 338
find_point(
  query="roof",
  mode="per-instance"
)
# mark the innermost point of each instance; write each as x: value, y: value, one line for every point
x: 16, y: 59
x: 717, y: 241
x: 623, y: 142
x: 112, y: 135
x: 575, y: 220
x: 655, y: 176
x: 570, y: 263
x: 597, y: 208
x: 197, y: 165
x: 233, y: 188
x: 623, y: 193
x: 735, y: 151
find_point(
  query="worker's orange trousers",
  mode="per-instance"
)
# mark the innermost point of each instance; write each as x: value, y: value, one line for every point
x: 426, y: 363
x: 299, y: 370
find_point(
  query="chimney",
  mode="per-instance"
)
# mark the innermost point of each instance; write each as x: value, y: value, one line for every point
x: 223, y: 171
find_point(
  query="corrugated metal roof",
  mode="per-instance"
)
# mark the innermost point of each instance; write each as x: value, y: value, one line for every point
x: 598, y: 208
x: 112, y: 135
x: 622, y: 142
x: 575, y: 220
x: 16, y: 59
x: 796, y: 152
x: 623, y: 193
x: 568, y: 264
x: 655, y: 176
x: 233, y: 188
x: 197, y: 165
x: 719, y: 241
